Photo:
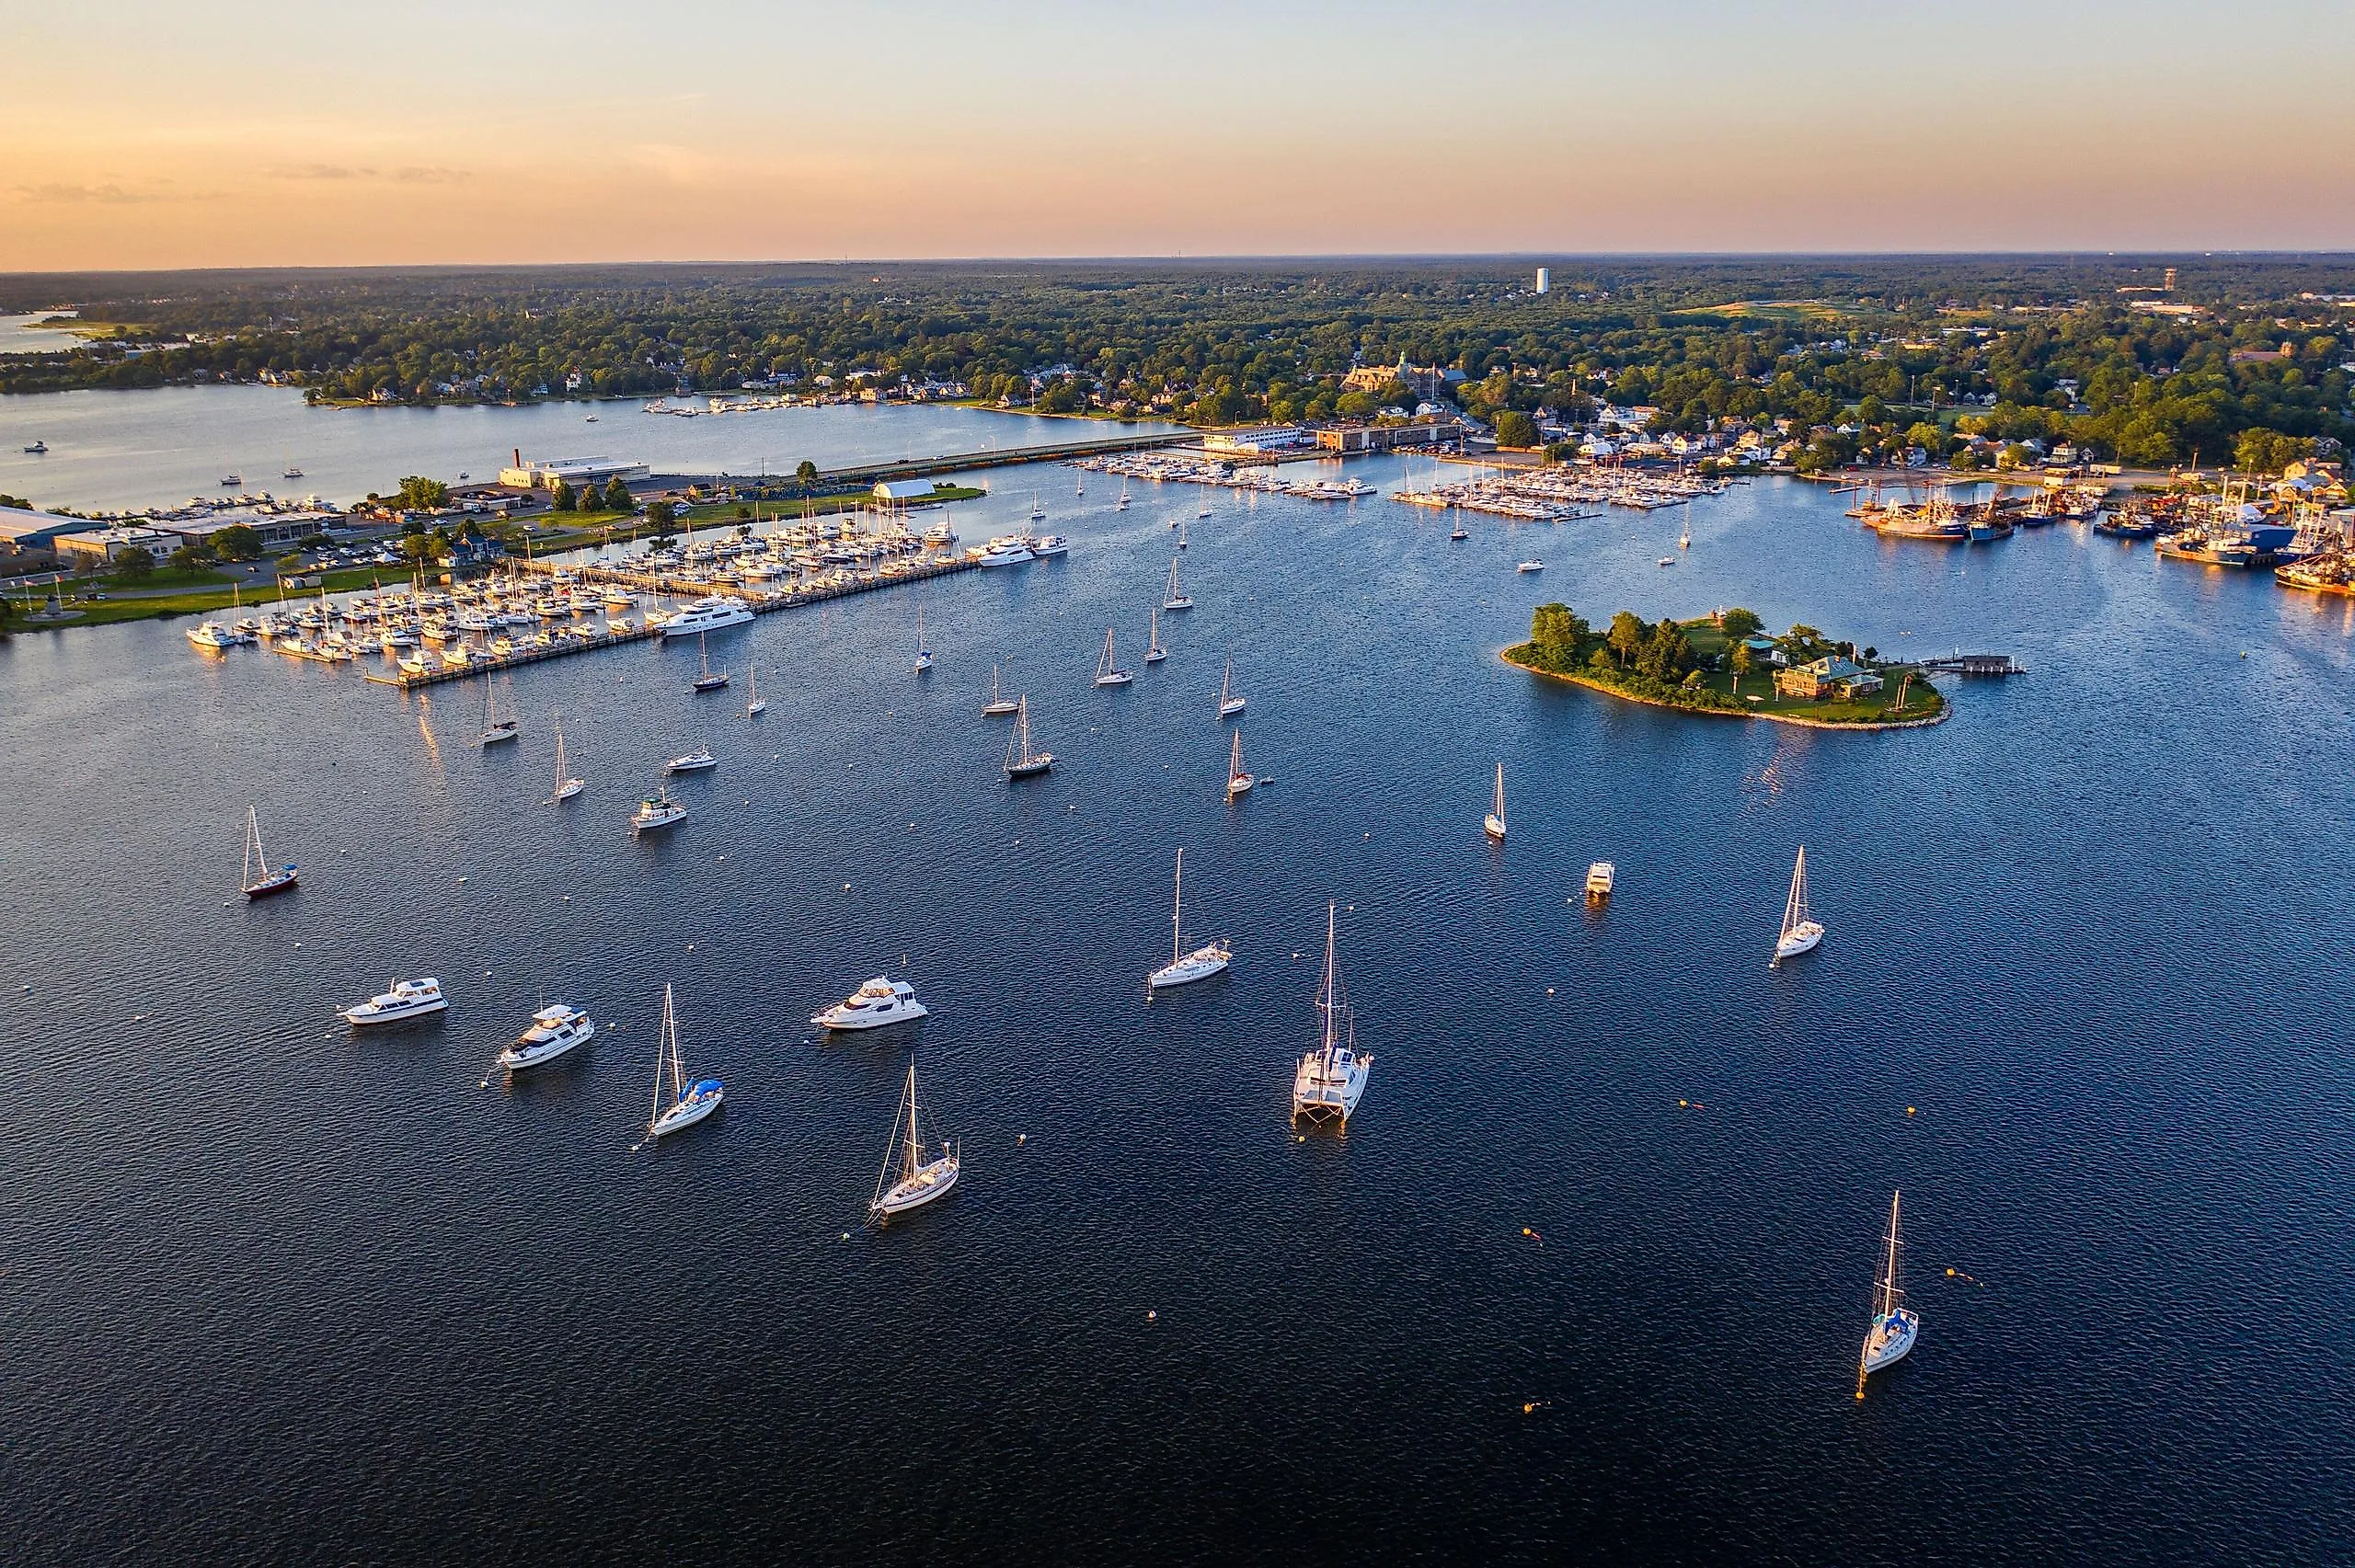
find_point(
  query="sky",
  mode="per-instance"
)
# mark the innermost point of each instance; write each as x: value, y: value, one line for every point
x: 253, y: 133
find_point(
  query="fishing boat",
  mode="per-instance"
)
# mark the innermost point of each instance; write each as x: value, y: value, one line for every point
x: 1230, y: 700
x: 1238, y: 783
x: 924, y: 654
x: 1185, y: 968
x: 880, y: 1003
x: 1021, y: 762
x: 494, y: 730
x: 1800, y: 932
x: 258, y: 880
x: 710, y: 679
x: 678, y: 1102
x: 908, y: 1179
x: 1494, y: 823
x: 1154, y: 652
x: 567, y: 786
x: 1894, y: 1327
x: 1107, y: 673
x: 1330, y: 1080
x: 400, y: 1000
x: 753, y: 704
x: 997, y: 706
x: 555, y: 1029
x: 696, y: 761
x: 1176, y: 598
x: 661, y: 811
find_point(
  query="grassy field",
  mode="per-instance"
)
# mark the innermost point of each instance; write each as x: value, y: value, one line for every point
x: 1790, y: 313
x: 260, y: 593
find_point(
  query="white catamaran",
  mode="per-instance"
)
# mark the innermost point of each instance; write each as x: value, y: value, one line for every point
x: 1800, y: 932
x: 908, y: 1179
x: 1330, y: 1080
x: 1494, y: 824
x: 1893, y: 1327
x: 677, y: 1102
x: 1185, y: 968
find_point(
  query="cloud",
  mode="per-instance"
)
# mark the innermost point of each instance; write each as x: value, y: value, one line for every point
x: 322, y: 171
x: 417, y: 175
x: 408, y: 174
x: 106, y: 195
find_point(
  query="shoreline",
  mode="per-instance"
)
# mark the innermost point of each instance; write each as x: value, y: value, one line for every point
x: 1944, y: 712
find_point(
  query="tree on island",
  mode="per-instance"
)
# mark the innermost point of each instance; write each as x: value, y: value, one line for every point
x: 1626, y: 635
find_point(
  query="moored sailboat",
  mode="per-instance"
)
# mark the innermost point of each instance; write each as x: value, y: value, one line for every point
x: 1107, y: 673
x: 1330, y: 1080
x: 1238, y: 783
x: 1230, y: 700
x: 1494, y: 823
x: 686, y: 1102
x: 258, y: 880
x: 1176, y: 598
x: 1154, y: 652
x: 924, y: 654
x: 494, y: 730
x: 908, y: 1179
x: 1021, y: 762
x: 997, y: 706
x: 1800, y: 932
x: 710, y: 679
x: 755, y: 704
x: 567, y: 786
x: 1184, y: 968
x: 1894, y: 1327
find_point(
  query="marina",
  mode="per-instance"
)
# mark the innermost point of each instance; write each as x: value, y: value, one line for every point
x: 1563, y: 494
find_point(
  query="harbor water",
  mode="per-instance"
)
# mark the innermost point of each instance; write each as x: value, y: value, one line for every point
x: 1585, y: 1278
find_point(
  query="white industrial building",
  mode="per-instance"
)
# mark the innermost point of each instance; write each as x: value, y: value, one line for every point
x: 541, y: 474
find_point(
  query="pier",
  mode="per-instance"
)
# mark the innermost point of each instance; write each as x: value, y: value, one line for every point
x: 1974, y: 664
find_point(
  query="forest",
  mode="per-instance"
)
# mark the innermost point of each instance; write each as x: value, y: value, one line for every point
x: 1862, y: 356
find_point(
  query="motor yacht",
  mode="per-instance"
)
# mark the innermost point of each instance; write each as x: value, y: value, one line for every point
x: 213, y: 635
x: 1003, y: 553
x: 1050, y: 545
x: 712, y: 614
x: 1599, y: 879
x: 660, y: 812
x: 1531, y: 566
x: 694, y: 762
x: 555, y: 1030
x: 403, y: 999
x: 879, y: 1002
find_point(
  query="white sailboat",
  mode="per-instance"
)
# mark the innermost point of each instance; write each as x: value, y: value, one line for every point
x: 908, y: 1179
x: 1230, y: 700
x: 754, y: 704
x: 710, y: 679
x: 1107, y: 673
x: 924, y: 654
x: 567, y: 786
x: 1185, y: 968
x: 677, y: 1102
x: 1021, y: 762
x: 1800, y: 932
x: 1176, y: 598
x: 1494, y: 824
x: 1238, y: 783
x: 997, y: 706
x: 1154, y: 652
x: 1124, y: 505
x: 495, y: 729
x: 1893, y: 1327
x: 1181, y: 530
x: 258, y: 880
x: 1330, y: 1080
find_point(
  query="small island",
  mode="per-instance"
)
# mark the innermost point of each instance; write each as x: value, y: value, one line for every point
x: 1723, y: 664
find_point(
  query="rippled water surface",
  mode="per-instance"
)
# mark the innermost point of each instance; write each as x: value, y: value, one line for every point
x: 275, y: 1293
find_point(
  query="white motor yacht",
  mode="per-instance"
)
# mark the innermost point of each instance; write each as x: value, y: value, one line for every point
x: 708, y: 614
x: 1598, y: 878
x: 1185, y: 968
x: 555, y: 1030
x: 879, y: 1002
x: 1531, y: 566
x: 1048, y: 545
x: 1330, y: 1080
x: 402, y: 999
x: 694, y: 762
x: 213, y: 635
x: 660, y: 812
x: 1003, y: 553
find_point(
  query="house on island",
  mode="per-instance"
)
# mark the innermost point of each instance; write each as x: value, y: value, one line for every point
x: 1828, y: 677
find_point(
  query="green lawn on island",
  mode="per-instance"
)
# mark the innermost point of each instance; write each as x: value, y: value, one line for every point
x: 1720, y: 692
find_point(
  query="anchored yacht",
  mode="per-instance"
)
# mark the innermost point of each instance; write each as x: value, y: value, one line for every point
x: 696, y: 761
x: 660, y: 812
x: 403, y: 1000
x: 1330, y: 1080
x: 910, y: 1180
x: 555, y: 1030
x: 879, y: 1002
x: 1185, y: 968
x: 712, y: 614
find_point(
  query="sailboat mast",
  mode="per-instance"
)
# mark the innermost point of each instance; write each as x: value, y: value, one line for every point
x: 1177, y: 906
x: 915, y: 1154
x: 661, y: 1047
x: 253, y: 842
x: 1329, y: 982
x: 1889, y: 1265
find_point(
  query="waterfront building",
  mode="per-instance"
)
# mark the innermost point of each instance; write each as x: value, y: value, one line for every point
x: 543, y: 473
x: 99, y: 547
x: 1435, y: 430
x: 1828, y: 677
x: 1266, y: 437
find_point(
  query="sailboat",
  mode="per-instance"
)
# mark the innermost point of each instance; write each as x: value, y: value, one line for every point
x: 677, y: 1104
x: 1238, y: 783
x: 1181, y: 531
x: 1684, y: 539
x: 1893, y: 1327
x: 1154, y: 652
x: 1230, y: 700
x: 1176, y: 599
x: 1185, y: 968
x: 1038, y: 511
x: 1800, y: 932
x: 1021, y: 762
x: 1494, y: 825
x: 1107, y: 673
x: 1204, y: 512
x: 924, y: 654
x: 494, y: 729
x: 710, y: 679
x: 1460, y: 534
x: 753, y: 704
x: 256, y: 880
x: 565, y: 785
x: 1080, y: 488
x: 1124, y: 505
x: 1330, y: 1080
x: 909, y: 1180
x: 997, y: 706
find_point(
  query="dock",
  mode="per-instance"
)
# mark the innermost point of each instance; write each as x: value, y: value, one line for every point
x: 585, y: 640
x: 1974, y: 664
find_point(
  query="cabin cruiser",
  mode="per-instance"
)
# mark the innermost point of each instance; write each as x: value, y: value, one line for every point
x: 1598, y: 878
x: 660, y: 812
x: 555, y: 1030
x: 1531, y: 566
x: 879, y: 1002
x: 406, y: 998
x: 213, y: 635
x: 694, y: 762
x: 1004, y: 553
x: 1050, y: 544
x: 708, y: 614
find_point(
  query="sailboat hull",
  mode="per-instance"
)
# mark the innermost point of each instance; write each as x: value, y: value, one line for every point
x: 1802, y: 938
x: 1198, y: 965
x: 701, y: 1101
x: 928, y: 1185
x: 1031, y: 769
x: 1494, y: 826
x: 270, y: 887
x: 1891, y: 1340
